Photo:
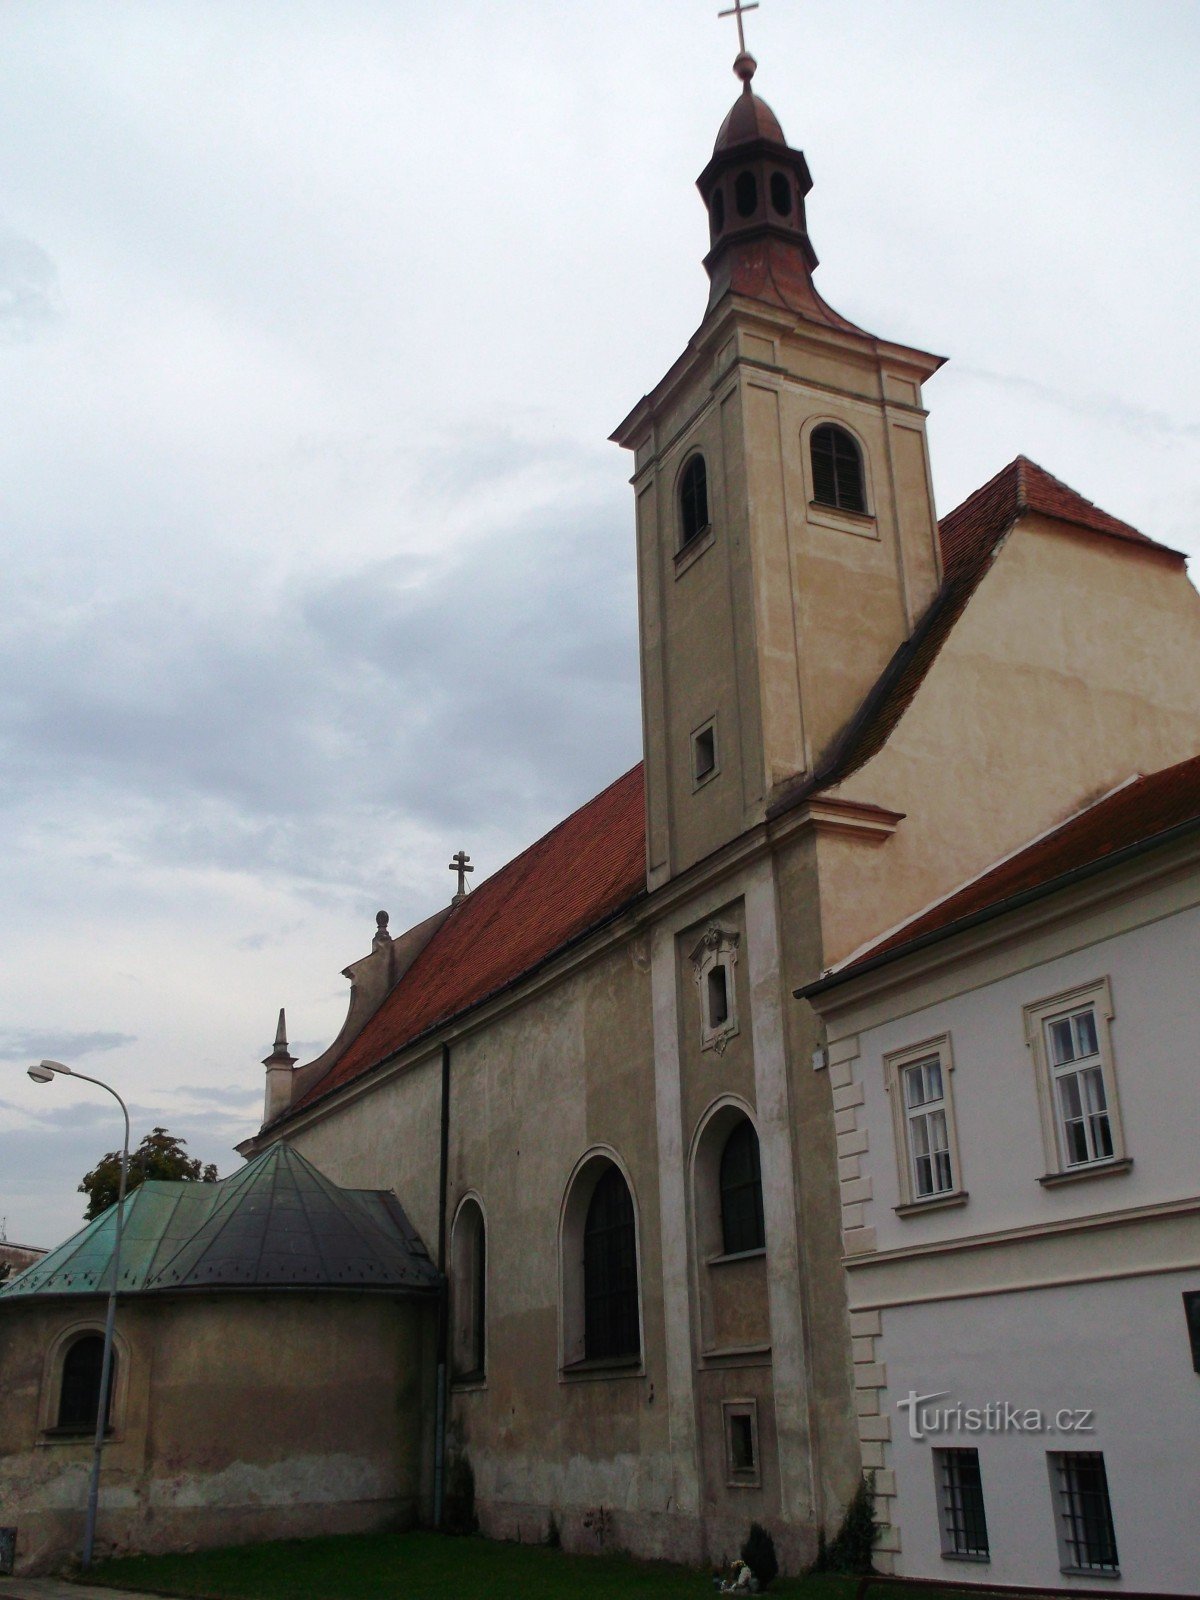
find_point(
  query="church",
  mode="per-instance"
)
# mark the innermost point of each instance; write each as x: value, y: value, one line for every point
x: 601, y: 1084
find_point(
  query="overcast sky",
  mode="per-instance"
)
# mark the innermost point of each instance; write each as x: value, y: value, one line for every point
x: 314, y: 321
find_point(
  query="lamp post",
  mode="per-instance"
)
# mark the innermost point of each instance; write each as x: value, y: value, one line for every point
x: 45, y: 1072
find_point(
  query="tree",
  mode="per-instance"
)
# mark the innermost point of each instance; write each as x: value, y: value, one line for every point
x: 160, y: 1155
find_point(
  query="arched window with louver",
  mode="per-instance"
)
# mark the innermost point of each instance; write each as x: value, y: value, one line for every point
x: 79, y: 1391
x: 742, y: 1226
x: 837, y: 469
x: 610, y: 1286
x: 693, y: 500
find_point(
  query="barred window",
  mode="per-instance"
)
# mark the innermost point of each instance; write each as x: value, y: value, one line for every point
x: 610, y: 1288
x: 1087, y: 1540
x: 742, y: 1226
x: 837, y: 469
x: 960, y: 1486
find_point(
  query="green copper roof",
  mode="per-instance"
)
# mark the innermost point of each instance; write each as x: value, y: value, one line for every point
x: 278, y: 1223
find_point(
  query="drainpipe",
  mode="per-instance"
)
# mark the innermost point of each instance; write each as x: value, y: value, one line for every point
x: 443, y: 1326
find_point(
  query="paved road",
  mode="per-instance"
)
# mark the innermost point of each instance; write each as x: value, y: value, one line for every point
x: 59, y: 1589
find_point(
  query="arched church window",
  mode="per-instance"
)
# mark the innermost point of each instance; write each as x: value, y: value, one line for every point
x: 745, y: 194
x: 742, y: 1226
x: 79, y: 1391
x: 717, y: 210
x: 781, y: 193
x: 693, y: 500
x: 837, y: 469
x: 468, y: 1292
x: 610, y: 1287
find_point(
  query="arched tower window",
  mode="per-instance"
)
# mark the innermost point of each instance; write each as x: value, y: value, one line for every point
x: 837, y: 469
x: 468, y: 1291
x: 79, y: 1392
x: 610, y: 1288
x: 693, y: 500
x: 742, y: 1226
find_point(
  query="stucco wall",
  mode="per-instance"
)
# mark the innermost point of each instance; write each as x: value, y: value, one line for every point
x: 236, y: 1417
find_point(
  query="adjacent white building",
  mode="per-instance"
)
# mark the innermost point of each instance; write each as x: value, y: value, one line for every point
x: 1016, y: 1082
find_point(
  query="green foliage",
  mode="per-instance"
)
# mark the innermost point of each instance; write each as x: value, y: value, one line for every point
x: 758, y: 1553
x: 851, y: 1547
x: 160, y: 1155
x: 458, y: 1506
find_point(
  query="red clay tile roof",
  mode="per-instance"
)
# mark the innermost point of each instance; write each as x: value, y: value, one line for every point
x: 574, y: 878
x: 1135, y: 814
x: 969, y: 536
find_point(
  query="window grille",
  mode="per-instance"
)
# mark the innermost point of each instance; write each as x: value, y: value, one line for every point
x: 964, y: 1523
x: 1087, y: 1539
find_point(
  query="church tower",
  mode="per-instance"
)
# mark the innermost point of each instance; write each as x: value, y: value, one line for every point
x: 786, y: 533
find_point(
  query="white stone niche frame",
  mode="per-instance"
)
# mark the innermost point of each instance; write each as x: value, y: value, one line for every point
x: 716, y: 948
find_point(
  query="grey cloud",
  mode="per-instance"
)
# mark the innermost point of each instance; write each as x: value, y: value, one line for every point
x: 1097, y: 408
x: 33, y: 1044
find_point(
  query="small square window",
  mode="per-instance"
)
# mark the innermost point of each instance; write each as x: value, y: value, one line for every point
x: 704, y: 754
x: 960, y: 1496
x: 741, y: 1441
x: 1087, y: 1541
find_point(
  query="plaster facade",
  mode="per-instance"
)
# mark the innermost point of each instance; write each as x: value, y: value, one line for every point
x: 235, y: 1417
x: 1026, y: 1284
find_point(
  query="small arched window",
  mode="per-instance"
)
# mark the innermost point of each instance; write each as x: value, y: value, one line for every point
x: 837, y: 469
x: 468, y: 1291
x: 693, y: 500
x: 610, y: 1287
x: 79, y: 1392
x: 742, y: 1226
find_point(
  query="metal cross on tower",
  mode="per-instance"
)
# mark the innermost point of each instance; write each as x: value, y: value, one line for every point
x: 461, y: 863
x: 737, y: 9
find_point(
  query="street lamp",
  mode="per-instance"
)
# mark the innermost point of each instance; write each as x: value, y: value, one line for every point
x: 46, y: 1072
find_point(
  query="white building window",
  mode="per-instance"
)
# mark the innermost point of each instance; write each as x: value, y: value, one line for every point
x: 960, y: 1496
x: 918, y: 1081
x: 1087, y: 1540
x: 1069, y: 1038
x: 714, y: 961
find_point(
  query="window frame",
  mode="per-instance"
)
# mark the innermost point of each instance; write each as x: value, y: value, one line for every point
x: 718, y: 946
x: 573, y: 1362
x: 49, y: 1431
x: 707, y: 727
x: 896, y: 1065
x: 745, y: 1477
x: 1038, y: 1018
x: 686, y: 541
x: 469, y: 1280
x: 755, y: 1185
x: 954, y: 1517
x: 1070, y: 1518
x: 862, y: 524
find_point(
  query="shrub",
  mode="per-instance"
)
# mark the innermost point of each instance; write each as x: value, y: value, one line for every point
x: 851, y: 1547
x: 758, y: 1553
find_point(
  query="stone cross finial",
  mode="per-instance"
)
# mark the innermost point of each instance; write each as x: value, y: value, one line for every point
x: 461, y: 863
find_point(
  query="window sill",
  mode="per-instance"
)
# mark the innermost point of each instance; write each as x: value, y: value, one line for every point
x: 934, y: 1202
x: 468, y: 1380
x: 694, y: 549
x: 737, y: 1352
x: 1090, y: 1572
x: 861, y: 523
x: 75, y: 1435
x: 744, y: 1483
x: 964, y: 1555
x: 736, y: 1255
x: 603, y: 1367
x: 1093, y: 1169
